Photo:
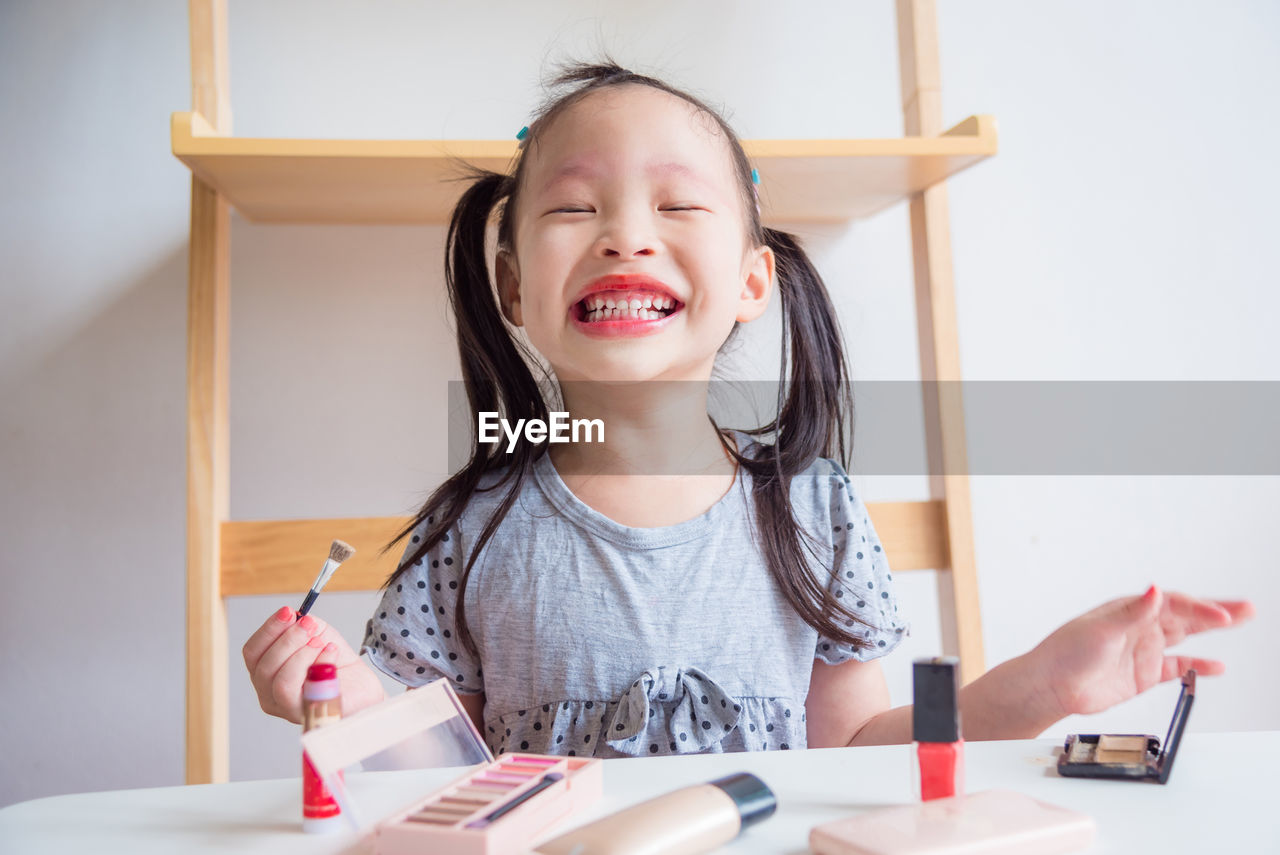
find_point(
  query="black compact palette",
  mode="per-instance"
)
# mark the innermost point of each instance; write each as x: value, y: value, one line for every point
x: 1128, y: 756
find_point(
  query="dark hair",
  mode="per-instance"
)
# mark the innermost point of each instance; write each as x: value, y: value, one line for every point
x: 814, y: 404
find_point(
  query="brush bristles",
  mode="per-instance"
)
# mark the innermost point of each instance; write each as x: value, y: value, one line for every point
x: 340, y: 551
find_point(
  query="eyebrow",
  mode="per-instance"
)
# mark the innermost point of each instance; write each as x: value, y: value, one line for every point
x: 585, y: 168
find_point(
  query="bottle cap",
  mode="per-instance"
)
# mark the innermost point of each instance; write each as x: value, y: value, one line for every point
x: 753, y: 798
x: 936, y: 694
x: 323, y: 671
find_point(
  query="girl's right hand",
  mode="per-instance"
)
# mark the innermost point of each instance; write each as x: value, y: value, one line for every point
x: 280, y: 652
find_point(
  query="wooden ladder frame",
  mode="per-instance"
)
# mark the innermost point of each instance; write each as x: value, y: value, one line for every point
x: 230, y: 558
x: 939, y: 340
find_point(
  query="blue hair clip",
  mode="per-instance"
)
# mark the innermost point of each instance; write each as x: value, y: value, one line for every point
x: 755, y: 187
x: 522, y: 135
x: 755, y: 176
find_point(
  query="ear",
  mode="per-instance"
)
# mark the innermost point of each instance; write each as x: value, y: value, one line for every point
x: 757, y: 284
x: 509, y: 288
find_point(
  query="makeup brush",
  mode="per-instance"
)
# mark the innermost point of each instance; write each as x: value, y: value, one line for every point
x: 338, y: 553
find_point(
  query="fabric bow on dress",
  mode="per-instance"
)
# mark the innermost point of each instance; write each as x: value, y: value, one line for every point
x: 698, y: 712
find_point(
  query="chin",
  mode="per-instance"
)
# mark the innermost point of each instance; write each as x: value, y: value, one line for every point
x: 604, y: 372
x: 621, y: 374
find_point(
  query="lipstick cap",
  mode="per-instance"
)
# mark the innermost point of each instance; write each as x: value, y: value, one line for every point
x: 936, y: 694
x: 755, y: 801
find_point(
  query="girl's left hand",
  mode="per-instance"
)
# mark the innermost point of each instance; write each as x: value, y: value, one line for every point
x: 1117, y: 650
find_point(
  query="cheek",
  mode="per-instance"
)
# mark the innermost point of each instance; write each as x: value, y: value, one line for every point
x: 727, y: 267
x: 539, y: 308
x: 546, y: 264
x: 552, y: 242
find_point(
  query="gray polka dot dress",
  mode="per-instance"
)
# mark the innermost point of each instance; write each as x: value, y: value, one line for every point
x: 599, y: 639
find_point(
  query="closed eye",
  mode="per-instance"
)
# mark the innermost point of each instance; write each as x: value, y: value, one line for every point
x: 579, y: 210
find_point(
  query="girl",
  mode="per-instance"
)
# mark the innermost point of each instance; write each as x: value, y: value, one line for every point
x: 677, y: 587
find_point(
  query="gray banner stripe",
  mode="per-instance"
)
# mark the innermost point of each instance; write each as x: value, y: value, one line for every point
x: 1014, y: 427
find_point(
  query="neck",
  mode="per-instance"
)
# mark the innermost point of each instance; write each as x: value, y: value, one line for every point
x: 650, y: 428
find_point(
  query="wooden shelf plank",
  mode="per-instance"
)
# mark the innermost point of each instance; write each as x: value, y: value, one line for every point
x: 282, y: 557
x: 407, y: 181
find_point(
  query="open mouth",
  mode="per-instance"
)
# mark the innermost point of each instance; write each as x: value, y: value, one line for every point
x: 605, y: 306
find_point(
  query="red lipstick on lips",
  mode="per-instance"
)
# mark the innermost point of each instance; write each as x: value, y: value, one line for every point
x: 623, y: 284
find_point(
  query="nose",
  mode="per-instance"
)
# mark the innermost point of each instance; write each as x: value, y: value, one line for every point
x: 626, y: 235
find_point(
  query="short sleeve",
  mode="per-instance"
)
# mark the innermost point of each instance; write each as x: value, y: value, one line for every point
x: 413, y: 634
x: 861, y: 578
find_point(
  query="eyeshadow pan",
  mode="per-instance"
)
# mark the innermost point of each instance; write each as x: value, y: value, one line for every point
x: 464, y: 801
x: 438, y: 816
x: 523, y: 769
x: 484, y: 781
x: 439, y: 807
x: 1081, y: 752
x: 487, y: 794
x: 1121, y: 749
x: 536, y: 761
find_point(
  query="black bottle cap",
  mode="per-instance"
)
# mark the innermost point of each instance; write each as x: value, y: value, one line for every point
x: 755, y: 801
x: 936, y: 694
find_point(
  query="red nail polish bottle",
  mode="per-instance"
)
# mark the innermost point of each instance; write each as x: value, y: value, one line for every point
x: 935, y: 723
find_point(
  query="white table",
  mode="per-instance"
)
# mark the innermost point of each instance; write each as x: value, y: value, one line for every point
x: 1224, y: 797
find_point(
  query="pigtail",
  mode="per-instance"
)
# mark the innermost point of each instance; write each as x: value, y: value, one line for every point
x: 812, y: 416
x: 494, y: 369
x: 497, y: 377
x: 813, y: 402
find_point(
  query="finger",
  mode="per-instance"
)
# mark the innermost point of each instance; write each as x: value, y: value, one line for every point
x: 1184, y: 615
x: 285, y: 646
x: 1175, y: 666
x: 286, y: 686
x: 266, y: 636
x: 1240, y: 610
x: 328, y: 654
x: 1199, y: 609
x: 345, y: 654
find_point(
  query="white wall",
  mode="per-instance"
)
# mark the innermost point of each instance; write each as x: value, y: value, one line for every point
x: 1119, y: 234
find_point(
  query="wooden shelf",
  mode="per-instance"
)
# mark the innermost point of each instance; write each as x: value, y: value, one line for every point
x: 278, y: 556
x: 406, y: 181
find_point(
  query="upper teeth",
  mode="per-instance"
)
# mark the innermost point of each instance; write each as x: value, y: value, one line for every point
x: 646, y: 302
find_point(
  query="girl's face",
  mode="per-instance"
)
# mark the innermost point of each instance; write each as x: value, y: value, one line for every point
x: 631, y: 259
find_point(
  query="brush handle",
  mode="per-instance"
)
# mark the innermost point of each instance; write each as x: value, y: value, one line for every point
x: 307, y: 603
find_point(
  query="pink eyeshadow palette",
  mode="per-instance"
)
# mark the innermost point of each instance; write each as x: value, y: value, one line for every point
x: 502, y: 807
